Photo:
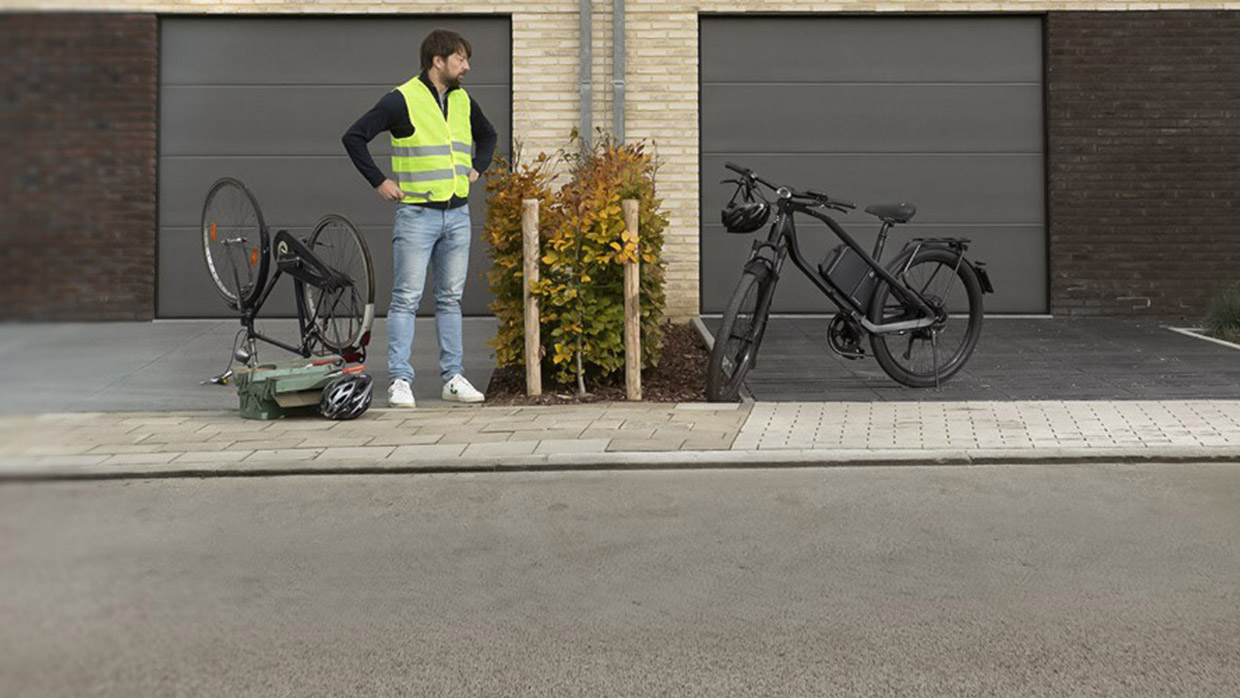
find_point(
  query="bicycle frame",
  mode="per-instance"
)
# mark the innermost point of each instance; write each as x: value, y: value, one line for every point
x: 782, y: 240
x: 295, y: 259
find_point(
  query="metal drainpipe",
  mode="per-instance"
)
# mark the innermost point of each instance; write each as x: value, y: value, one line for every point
x: 617, y: 70
x: 585, y: 59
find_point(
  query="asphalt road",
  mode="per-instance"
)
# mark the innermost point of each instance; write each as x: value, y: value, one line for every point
x: 911, y: 581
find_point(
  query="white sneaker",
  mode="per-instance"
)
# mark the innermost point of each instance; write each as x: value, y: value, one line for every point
x: 400, y: 394
x: 460, y: 390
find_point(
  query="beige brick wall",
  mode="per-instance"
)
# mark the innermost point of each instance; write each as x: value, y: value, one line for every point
x: 662, y: 74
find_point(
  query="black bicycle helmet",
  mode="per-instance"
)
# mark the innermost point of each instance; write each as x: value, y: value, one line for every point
x: 346, y: 397
x: 746, y: 215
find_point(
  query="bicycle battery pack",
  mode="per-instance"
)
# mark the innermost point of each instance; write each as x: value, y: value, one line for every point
x: 847, y: 270
x: 272, y: 391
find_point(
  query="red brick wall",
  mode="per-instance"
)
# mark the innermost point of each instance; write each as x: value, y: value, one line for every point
x: 78, y: 96
x: 1144, y: 160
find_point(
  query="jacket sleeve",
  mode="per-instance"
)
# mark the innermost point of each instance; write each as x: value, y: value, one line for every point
x: 388, y: 114
x: 484, y: 136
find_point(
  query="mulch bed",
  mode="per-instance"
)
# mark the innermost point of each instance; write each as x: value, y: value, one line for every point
x: 679, y: 377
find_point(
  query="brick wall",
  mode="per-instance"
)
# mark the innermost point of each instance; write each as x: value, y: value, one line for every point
x: 1144, y: 160
x: 77, y: 209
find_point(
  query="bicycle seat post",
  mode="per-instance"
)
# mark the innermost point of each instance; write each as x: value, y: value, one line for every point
x: 881, y: 242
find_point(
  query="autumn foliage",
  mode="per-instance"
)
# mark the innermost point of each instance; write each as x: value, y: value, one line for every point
x: 584, y: 244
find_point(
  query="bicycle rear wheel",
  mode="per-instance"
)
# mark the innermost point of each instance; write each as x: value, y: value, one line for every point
x: 342, y: 313
x: 234, y: 242
x: 924, y: 357
x: 738, y: 338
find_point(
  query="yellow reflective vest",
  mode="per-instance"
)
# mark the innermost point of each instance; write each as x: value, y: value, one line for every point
x: 434, y: 163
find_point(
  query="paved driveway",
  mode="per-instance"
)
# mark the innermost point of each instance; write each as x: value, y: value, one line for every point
x: 1016, y: 359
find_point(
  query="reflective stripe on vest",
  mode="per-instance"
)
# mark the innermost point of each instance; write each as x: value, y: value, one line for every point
x: 434, y: 163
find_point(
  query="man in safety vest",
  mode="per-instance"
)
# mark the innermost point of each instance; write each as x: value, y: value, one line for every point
x: 441, y: 142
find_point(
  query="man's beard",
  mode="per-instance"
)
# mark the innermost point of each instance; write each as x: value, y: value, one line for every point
x: 453, y: 83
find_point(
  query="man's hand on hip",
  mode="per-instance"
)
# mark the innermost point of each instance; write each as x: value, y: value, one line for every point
x: 390, y: 190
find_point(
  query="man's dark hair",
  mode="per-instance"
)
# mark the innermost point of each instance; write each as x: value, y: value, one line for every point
x: 443, y: 43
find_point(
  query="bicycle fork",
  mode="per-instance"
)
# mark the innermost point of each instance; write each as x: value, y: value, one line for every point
x: 767, y: 272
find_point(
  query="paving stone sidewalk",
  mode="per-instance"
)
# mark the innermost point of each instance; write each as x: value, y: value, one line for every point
x: 617, y: 435
x: 384, y: 437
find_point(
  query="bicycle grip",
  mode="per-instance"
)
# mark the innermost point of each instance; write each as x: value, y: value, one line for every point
x: 736, y: 168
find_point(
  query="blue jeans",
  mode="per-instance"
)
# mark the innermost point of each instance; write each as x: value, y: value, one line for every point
x: 440, y: 237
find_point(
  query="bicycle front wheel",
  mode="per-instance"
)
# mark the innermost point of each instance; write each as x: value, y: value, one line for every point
x: 924, y: 357
x: 234, y: 242
x: 342, y: 313
x: 738, y: 338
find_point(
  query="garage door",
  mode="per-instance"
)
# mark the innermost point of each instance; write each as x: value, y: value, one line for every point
x: 945, y: 113
x: 266, y: 100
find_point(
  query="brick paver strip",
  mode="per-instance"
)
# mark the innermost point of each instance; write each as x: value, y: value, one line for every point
x: 260, y: 436
x: 186, y: 437
x: 336, y: 440
x: 141, y: 459
x: 578, y: 446
x: 429, y: 452
x: 113, y: 449
x: 234, y: 426
x: 435, y: 419
x: 500, y: 450
x: 665, y: 444
x: 281, y: 455
x: 272, y: 444
x: 462, y: 436
x: 55, y: 450
x: 202, y: 446
x: 1010, y: 425
x: 405, y: 439
x: 211, y: 457
x: 302, y: 424
x: 550, y: 434
x: 570, y: 422
x: 69, y: 461
x: 617, y: 434
x: 373, y: 453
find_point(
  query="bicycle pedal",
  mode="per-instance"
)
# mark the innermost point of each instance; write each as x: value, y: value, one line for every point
x: 221, y: 379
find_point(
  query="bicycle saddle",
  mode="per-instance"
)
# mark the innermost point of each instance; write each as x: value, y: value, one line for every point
x: 894, y: 213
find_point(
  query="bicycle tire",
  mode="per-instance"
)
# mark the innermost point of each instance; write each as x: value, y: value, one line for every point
x: 342, y: 317
x: 235, y: 242
x: 739, y: 336
x: 895, y: 351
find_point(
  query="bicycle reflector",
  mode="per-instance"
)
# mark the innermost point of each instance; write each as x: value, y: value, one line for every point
x: 212, y: 231
x: 254, y: 256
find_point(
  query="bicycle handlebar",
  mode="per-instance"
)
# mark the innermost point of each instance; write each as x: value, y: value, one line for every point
x: 809, y: 194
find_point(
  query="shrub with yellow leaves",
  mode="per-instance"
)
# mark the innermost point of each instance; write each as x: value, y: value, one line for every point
x: 584, y: 245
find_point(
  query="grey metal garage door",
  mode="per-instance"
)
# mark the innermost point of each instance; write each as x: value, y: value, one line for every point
x: 267, y: 100
x: 944, y: 112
